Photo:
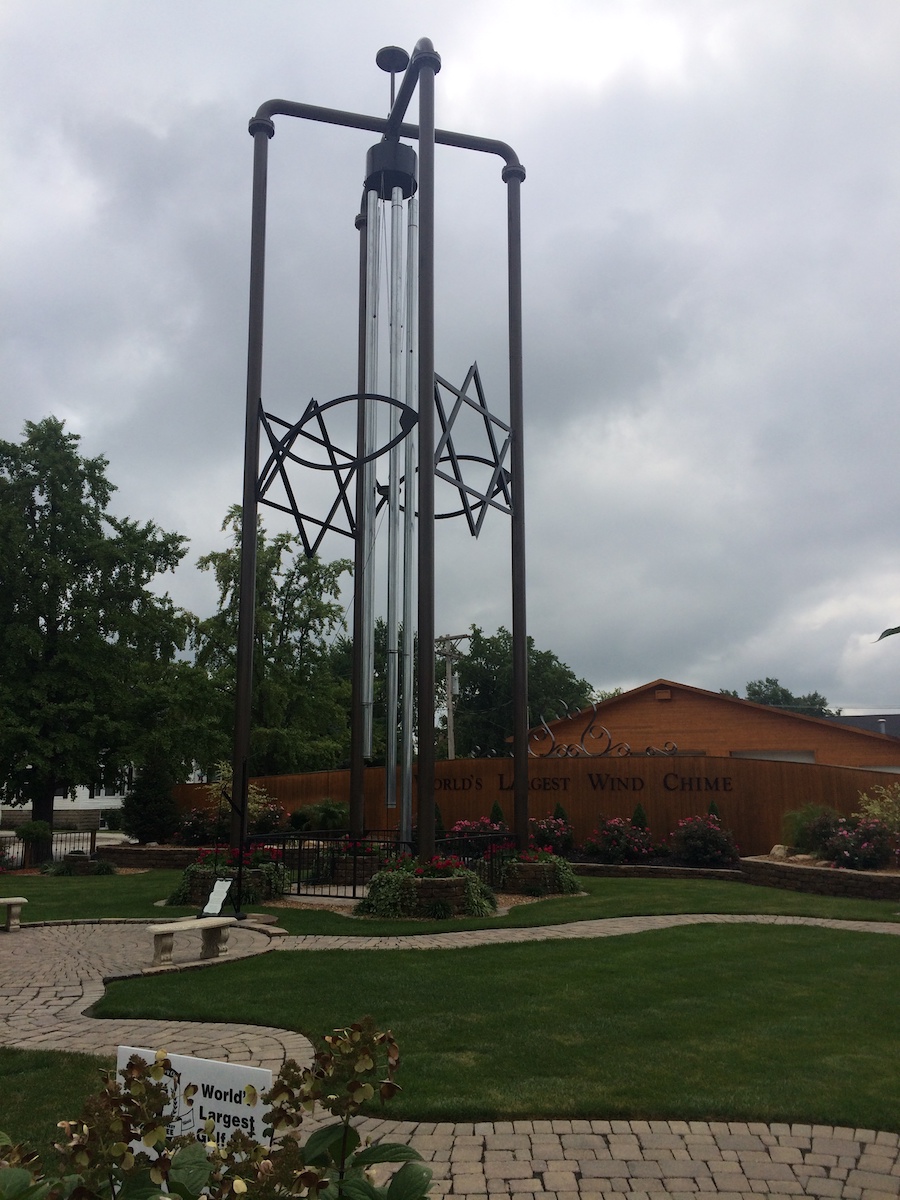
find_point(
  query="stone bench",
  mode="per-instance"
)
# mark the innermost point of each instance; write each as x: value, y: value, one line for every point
x: 13, y: 911
x: 214, y: 931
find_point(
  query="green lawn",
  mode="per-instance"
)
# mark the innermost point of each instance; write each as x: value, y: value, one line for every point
x: 714, y: 1022
x: 67, y: 897
x: 729, y: 1022
x: 61, y: 898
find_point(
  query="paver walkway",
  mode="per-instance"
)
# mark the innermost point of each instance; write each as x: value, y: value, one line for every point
x: 49, y: 975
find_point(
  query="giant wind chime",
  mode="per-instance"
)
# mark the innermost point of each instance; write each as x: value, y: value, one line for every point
x: 395, y: 437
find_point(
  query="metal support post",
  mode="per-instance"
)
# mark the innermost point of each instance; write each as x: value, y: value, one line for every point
x: 428, y: 63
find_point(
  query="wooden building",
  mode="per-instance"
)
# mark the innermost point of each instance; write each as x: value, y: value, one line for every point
x: 700, y: 723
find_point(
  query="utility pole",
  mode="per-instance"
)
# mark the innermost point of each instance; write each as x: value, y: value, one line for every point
x: 447, y: 647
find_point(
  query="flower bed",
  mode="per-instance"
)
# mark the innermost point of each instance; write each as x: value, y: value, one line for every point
x: 539, y: 873
x: 435, y: 890
x: 263, y: 876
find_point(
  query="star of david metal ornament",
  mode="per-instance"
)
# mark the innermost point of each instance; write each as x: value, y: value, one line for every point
x: 461, y: 471
x: 310, y: 443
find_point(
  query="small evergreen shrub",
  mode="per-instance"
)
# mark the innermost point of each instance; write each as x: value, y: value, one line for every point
x: 713, y: 810
x: 639, y: 817
x: 497, y: 817
x: 860, y: 844
x: 808, y: 830
x: 560, y: 813
x: 619, y: 841
x: 327, y: 814
x: 149, y: 811
x: 702, y: 842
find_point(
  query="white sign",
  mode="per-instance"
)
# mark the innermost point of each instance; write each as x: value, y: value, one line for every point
x: 228, y: 1094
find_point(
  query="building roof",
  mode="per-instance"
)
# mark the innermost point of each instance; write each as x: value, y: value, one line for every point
x: 710, y: 723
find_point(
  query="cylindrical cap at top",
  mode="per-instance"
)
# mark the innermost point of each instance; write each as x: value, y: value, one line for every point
x: 391, y: 165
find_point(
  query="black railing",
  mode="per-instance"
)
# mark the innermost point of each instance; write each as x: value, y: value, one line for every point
x: 16, y: 854
x: 329, y: 864
x: 326, y: 863
x: 483, y: 853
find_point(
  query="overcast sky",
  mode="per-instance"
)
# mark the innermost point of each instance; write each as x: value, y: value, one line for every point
x: 711, y: 235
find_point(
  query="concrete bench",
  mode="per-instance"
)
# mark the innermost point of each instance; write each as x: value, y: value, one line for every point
x: 13, y: 911
x: 213, y: 929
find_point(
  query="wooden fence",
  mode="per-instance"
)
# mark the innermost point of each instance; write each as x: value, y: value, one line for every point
x: 751, y: 795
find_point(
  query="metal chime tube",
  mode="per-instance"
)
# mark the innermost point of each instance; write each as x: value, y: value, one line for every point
x: 394, y: 531
x: 409, y: 523
x: 367, y: 532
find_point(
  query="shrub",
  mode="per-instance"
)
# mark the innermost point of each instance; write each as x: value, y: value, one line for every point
x: 98, y: 867
x: 713, y: 809
x: 201, y: 827
x: 639, y: 817
x: 264, y: 814
x: 327, y: 814
x: 497, y: 817
x: 392, y: 890
x: 554, y: 832
x: 619, y: 841
x: 860, y: 844
x: 267, y: 880
x: 120, y: 1146
x: 112, y: 818
x: 809, y: 829
x: 883, y: 805
x: 702, y: 842
x: 559, y: 877
x: 35, y: 831
x: 149, y: 811
x: 471, y: 838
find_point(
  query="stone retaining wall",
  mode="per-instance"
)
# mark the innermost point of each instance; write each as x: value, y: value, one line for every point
x: 174, y: 858
x: 63, y: 818
x: 825, y: 881
x: 611, y: 870
x: 451, y: 892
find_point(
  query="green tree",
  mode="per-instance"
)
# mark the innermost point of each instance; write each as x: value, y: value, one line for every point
x: 769, y: 691
x: 300, y: 708
x: 88, y: 653
x: 483, y: 713
x: 149, y: 811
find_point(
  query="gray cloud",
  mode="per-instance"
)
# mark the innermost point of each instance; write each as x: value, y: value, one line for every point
x: 711, y: 254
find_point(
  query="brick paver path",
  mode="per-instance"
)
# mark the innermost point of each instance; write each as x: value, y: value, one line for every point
x: 50, y: 974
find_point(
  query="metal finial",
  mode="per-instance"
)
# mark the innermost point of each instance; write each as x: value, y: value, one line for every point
x: 392, y: 59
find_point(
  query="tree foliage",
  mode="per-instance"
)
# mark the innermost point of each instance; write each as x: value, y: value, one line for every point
x: 483, y: 713
x: 89, y: 674
x: 300, y: 707
x: 769, y: 691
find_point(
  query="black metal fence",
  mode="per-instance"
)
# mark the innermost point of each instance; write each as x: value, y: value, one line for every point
x: 330, y: 864
x: 15, y: 854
